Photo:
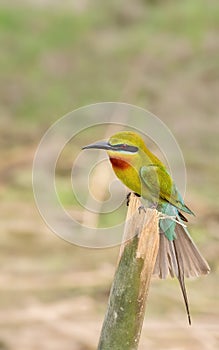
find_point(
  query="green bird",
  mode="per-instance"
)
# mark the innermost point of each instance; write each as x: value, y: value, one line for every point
x: 144, y: 174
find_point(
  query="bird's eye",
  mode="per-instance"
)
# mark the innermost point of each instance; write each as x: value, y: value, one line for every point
x: 125, y: 147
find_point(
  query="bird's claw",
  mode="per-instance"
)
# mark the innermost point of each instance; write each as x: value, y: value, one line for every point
x: 128, y: 197
x: 141, y: 208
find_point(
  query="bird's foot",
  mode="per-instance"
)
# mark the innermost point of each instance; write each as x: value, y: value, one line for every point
x: 152, y: 206
x: 128, y: 197
x: 137, y: 195
x: 141, y: 208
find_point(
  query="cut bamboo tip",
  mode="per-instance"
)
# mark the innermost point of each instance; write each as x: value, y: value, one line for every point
x: 144, y: 223
x: 129, y: 291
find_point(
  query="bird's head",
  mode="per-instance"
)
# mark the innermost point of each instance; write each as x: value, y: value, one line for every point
x: 126, y: 151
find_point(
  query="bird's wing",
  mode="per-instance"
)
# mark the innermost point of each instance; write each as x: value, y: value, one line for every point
x: 159, y: 182
x: 161, y: 186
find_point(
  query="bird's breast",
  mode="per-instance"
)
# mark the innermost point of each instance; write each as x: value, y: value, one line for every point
x: 119, y: 163
x: 127, y: 173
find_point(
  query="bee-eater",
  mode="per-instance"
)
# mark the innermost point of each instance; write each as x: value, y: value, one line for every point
x: 142, y: 172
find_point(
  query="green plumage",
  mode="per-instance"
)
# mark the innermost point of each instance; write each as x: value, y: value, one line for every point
x: 146, y: 174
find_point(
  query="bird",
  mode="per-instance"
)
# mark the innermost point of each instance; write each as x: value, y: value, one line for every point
x: 145, y: 175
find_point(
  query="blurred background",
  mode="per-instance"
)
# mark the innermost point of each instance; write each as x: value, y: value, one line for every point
x: 56, y: 57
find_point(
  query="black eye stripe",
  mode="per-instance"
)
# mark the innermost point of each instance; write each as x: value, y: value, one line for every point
x: 124, y: 147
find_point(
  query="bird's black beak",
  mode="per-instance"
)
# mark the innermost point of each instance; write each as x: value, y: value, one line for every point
x: 99, y: 145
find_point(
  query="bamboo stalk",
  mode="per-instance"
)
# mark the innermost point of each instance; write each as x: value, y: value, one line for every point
x: 127, y: 301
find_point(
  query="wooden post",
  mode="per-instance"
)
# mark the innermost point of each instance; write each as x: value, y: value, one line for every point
x: 127, y: 301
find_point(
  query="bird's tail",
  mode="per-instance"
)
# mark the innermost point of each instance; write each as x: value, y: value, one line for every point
x: 180, y: 258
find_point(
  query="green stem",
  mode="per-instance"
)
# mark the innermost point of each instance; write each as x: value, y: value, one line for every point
x: 124, y: 318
